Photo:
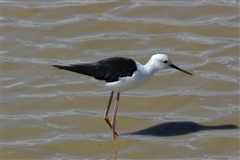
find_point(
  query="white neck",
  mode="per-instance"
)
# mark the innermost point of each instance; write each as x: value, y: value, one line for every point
x: 150, y: 67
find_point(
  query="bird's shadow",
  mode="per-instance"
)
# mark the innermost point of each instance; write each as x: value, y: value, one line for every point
x: 178, y: 128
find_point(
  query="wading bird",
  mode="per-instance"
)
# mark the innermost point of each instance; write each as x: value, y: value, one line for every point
x: 119, y: 74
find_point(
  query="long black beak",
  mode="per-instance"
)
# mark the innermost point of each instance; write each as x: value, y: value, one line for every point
x: 173, y: 66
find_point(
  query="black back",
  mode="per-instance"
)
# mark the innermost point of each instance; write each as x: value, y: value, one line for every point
x: 110, y: 69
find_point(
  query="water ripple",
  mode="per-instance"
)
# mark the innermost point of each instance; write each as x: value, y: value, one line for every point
x: 25, y: 143
x: 22, y: 117
x: 192, y: 38
x: 37, y: 95
x: 218, y: 76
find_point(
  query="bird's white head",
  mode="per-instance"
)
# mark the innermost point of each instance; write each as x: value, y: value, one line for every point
x: 162, y: 61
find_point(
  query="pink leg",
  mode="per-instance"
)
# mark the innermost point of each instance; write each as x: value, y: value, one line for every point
x: 115, y: 115
x: 107, y: 110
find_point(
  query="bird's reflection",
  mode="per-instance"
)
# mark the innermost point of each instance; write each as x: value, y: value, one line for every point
x: 178, y: 128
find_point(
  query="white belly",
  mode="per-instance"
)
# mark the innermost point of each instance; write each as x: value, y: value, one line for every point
x: 125, y: 83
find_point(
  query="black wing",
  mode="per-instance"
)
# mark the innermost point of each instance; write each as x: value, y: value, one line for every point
x: 110, y: 69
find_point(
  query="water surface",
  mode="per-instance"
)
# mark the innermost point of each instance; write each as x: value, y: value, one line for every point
x: 52, y: 114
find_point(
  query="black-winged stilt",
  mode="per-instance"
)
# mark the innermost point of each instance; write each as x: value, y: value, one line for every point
x: 119, y: 74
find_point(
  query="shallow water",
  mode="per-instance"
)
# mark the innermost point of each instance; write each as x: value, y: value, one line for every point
x: 52, y: 114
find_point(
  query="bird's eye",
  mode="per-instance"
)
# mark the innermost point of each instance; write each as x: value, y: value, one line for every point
x: 165, y: 61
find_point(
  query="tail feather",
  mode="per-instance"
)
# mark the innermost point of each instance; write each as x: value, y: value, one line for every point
x: 82, y: 69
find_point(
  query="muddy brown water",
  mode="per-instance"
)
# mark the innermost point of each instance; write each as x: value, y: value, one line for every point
x: 51, y: 114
